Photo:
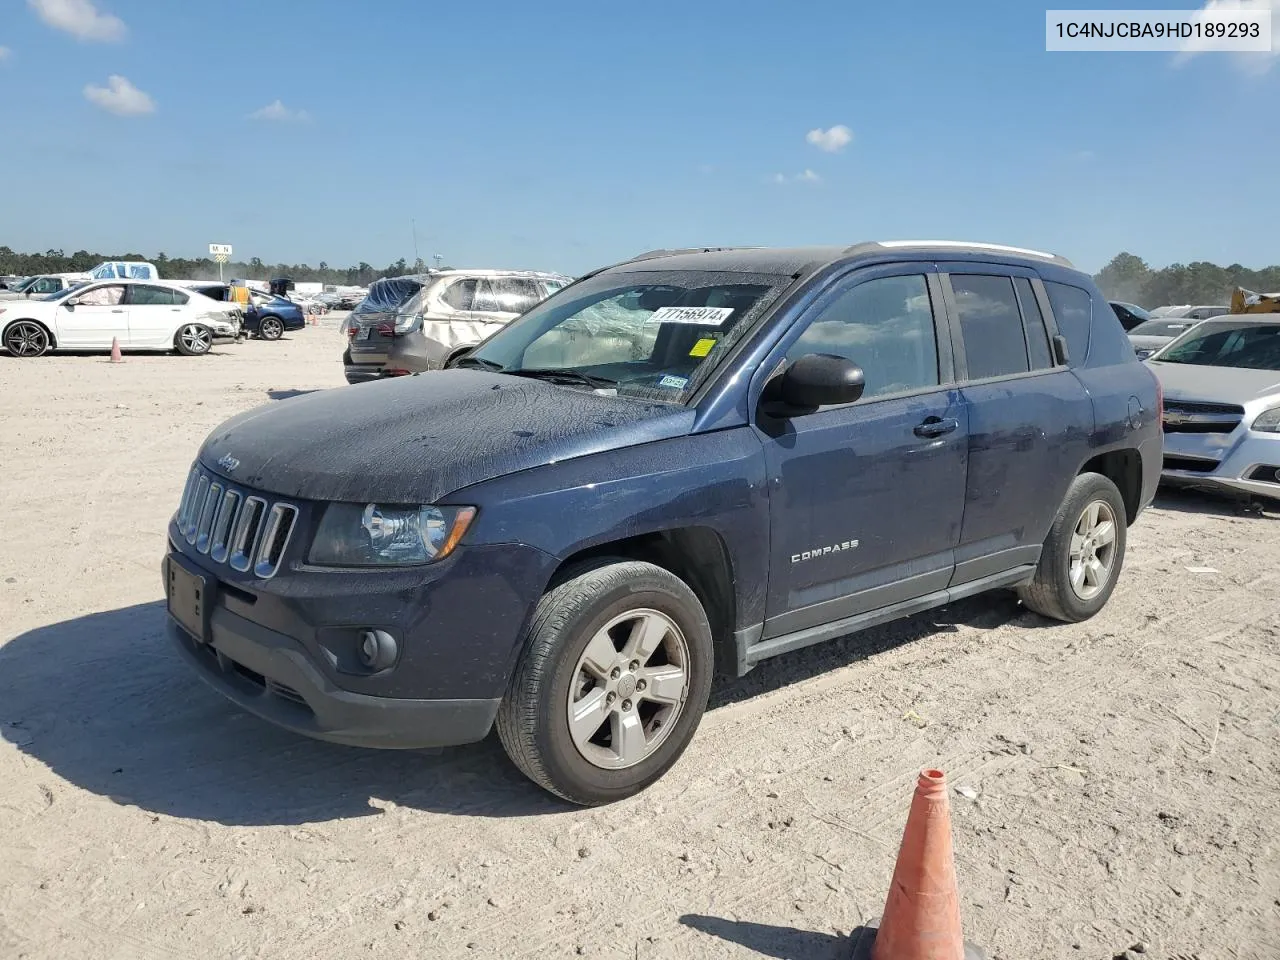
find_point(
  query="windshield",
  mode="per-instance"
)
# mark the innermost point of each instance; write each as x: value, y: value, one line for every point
x: 59, y: 294
x: 1162, y: 328
x: 650, y: 334
x: 1170, y: 311
x: 24, y: 285
x: 1227, y: 343
x: 1134, y: 309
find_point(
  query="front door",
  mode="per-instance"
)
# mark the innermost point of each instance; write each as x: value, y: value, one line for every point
x: 866, y: 499
x: 99, y: 315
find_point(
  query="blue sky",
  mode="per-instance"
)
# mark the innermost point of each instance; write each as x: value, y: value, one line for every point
x: 568, y: 135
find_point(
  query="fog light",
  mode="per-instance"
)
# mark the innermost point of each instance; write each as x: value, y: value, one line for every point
x: 377, y: 649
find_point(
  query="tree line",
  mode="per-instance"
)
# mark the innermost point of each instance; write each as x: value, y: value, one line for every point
x: 202, y: 268
x: 1128, y: 277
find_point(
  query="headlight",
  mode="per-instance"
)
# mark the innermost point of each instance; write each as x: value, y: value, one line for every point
x: 1268, y: 421
x: 352, y: 535
x: 408, y: 323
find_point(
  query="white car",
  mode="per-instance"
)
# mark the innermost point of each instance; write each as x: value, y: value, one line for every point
x: 139, y: 314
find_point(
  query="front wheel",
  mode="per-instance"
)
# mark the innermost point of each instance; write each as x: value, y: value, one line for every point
x: 611, y: 685
x: 1083, y: 553
x: 270, y: 328
x: 26, y: 338
x: 193, y: 340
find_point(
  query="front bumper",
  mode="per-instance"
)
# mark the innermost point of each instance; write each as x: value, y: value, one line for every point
x: 268, y: 675
x: 1244, y: 460
x: 286, y: 648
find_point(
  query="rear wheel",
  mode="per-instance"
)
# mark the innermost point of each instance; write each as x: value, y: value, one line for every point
x: 1083, y: 553
x: 193, y: 340
x: 612, y: 685
x: 270, y: 328
x: 26, y: 338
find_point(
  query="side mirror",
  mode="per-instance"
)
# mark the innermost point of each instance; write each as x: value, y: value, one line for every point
x: 73, y: 302
x: 821, y: 380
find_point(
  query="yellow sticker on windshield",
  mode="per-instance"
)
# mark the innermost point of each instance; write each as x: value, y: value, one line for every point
x: 702, y: 347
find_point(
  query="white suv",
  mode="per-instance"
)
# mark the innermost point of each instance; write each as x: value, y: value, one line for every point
x: 140, y: 315
x: 449, y: 314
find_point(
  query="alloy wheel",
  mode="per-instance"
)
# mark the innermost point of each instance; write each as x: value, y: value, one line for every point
x: 629, y: 689
x: 1093, y: 550
x: 26, y: 339
x: 196, y: 339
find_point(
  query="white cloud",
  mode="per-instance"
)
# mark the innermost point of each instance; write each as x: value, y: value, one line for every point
x: 80, y: 18
x: 1256, y: 62
x: 830, y: 141
x: 279, y: 113
x: 5, y: 53
x: 808, y: 176
x: 120, y: 97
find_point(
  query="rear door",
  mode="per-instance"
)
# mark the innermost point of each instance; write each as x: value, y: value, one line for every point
x: 499, y: 300
x: 866, y: 499
x: 1029, y: 416
x: 99, y: 315
x: 155, y: 313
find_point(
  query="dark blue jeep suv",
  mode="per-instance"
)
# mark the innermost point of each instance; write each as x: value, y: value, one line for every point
x: 692, y: 460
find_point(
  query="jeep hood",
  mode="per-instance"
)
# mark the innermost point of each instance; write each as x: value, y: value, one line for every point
x: 417, y: 439
x: 1187, y: 381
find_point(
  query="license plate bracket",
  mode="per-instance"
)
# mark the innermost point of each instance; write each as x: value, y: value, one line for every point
x: 191, y: 597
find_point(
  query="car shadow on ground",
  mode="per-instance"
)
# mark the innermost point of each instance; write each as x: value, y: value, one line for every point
x: 1216, y: 502
x: 782, y: 943
x: 105, y: 702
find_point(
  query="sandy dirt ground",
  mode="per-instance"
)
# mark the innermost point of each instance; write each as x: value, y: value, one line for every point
x: 1120, y: 776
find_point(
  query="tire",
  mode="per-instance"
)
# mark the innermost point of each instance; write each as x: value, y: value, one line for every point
x: 270, y: 328
x: 1072, y: 540
x: 193, y: 340
x: 26, y: 339
x: 605, y: 609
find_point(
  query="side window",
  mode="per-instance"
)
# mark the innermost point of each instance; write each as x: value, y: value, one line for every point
x: 1071, y: 309
x: 883, y: 325
x: 145, y: 296
x: 1033, y: 323
x: 47, y: 285
x: 461, y: 295
x: 179, y: 298
x: 108, y: 295
x: 1109, y: 344
x: 486, y: 298
x: 991, y: 325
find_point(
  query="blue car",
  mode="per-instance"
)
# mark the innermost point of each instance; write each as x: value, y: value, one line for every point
x: 678, y: 466
x: 269, y: 317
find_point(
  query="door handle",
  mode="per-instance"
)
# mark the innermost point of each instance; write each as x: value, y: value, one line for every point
x: 936, y: 426
x: 117, y: 311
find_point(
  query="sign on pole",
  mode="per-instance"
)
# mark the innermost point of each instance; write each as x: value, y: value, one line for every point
x: 221, y: 253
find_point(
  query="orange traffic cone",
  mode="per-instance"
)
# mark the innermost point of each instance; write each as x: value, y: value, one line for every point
x: 115, y: 351
x: 922, y: 912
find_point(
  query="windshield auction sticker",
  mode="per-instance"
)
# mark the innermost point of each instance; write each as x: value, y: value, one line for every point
x: 698, y: 316
x: 1215, y: 28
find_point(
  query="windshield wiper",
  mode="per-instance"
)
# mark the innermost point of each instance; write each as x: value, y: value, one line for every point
x: 480, y: 362
x: 565, y: 376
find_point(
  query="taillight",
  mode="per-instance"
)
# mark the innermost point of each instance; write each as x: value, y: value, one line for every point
x: 387, y: 329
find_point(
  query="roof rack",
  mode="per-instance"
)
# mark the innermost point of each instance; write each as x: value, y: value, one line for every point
x: 655, y: 254
x: 974, y: 245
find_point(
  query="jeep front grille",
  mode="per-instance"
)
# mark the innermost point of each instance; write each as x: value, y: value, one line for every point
x: 235, y: 527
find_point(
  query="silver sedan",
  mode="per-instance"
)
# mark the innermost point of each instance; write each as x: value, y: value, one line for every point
x: 1221, y: 383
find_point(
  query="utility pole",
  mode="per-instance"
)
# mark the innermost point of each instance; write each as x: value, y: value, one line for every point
x: 417, y: 260
x: 437, y: 258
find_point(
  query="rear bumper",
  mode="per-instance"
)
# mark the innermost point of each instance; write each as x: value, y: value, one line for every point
x: 267, y: 674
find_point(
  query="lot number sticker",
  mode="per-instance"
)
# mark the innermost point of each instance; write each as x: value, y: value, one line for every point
x: 698, y: 316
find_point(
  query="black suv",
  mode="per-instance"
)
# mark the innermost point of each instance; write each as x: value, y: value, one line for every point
x: 691, y: 460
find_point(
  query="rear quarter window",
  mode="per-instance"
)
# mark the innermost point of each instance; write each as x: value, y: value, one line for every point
x: 1072, y: 308
x: 1109, y: 344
